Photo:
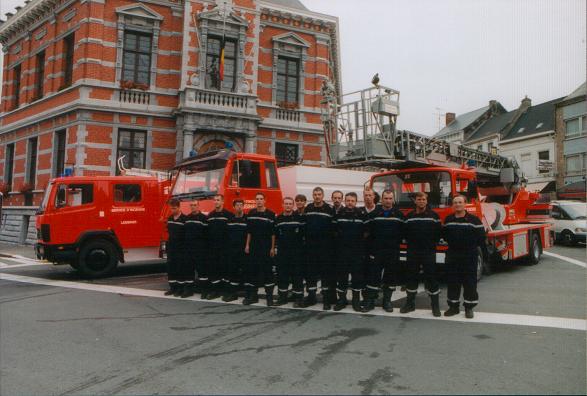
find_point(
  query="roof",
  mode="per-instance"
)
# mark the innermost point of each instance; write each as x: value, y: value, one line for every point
x: 297, y: 4
x: 461, y: 122
x: 580, y: 91
x: 536, y: 119
x: 492, y: 126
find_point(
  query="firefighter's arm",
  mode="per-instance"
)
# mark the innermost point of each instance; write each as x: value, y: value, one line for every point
x: 272, y: 251
x: 247, y: 249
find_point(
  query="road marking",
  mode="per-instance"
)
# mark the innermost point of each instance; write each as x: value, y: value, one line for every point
x: 567, y: 259
x: 480, y: 317
x: 22, y: 262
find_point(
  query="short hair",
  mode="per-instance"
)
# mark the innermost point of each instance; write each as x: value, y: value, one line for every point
x: 367, y: 188
x: 352, y: 194
x: 300, y: 197
x: 174, y: 202
x: 421, y: 194
x: 260, y: 193
x: 219, y: 195
x: 236, y: 201
x: 288, y: 199
x: 460, y: 196
x: 335, y: 192
x: 387, y: 191
x: 318, y: 189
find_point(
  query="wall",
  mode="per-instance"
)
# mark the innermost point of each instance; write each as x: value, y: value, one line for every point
x: 18, y: 225
x: 532, y: 146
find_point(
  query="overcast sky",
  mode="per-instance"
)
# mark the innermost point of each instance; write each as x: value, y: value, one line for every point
x: 456, y: 55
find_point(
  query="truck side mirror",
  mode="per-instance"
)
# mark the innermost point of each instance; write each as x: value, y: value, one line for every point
x: 506, y: 175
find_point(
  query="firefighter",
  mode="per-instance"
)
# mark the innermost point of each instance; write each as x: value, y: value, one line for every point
x: 237, y: 237
x: 260, y: 246
x: 350, y: 225
x: 196, y: 241
x: 422, y: 231
x: 215, y: 269
x: 301, y: 201
x: 465, y: 236
x: 369, y: 199
x: 289, y: 240
x: 175, y: 249
x: 385, y: 230
x: 336, y: 198
x: 319, y: 217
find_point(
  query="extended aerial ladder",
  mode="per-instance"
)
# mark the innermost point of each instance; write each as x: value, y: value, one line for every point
x: 360, y: 131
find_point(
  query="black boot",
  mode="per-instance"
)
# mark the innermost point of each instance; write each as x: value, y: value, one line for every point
x: 368, y: 303
x: 172, y: 287
x: 326, y: 305
x: 299, y: 301
x: 387, y: 307
x: 410, y: 304
x: 435, y: 305
x: 282, y: 299
x: 188, y: 290
x: 178, y: 290
x: 469, y: 313
x: 230, y: 294
x: 310, y: 299
x: 452, y: 310
x: 251, y: 297
x: 356, y: 302
x: 269, y: 295
x: 342, y: 302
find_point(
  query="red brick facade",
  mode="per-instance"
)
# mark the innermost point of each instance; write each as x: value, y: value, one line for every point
x: 170, y: 106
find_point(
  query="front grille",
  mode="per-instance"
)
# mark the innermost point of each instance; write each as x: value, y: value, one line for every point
x: 45, y: 232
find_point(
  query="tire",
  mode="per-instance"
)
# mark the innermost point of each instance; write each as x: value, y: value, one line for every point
x: 480, y: 264
x: 535, y: 249
x: 568, y: 238
x: 97, y: 258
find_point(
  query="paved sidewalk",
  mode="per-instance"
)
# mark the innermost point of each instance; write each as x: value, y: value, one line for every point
x: 18, y: 250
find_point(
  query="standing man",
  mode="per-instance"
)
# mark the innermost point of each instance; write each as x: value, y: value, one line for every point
x: 350, y: 225
x: 422, y: 232
x: 301, y: 201
x: 319, y: 235
x: 369, y: 199
x: 289, y: 239
x: 175, y: 249
x: 218, y: 220
x: 196, y: 241
x: 465, y: 236
x: 237, y: 238
x: 260, y: 246
x: 337, y: 198
x: 385, y: 229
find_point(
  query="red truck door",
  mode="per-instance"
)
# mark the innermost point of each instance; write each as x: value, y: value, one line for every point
x: 76, y: 211
x: 244, y: 182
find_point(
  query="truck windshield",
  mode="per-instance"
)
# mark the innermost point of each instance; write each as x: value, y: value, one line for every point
x: 404, y: 186
x: 45, y: 200
x: 199, y: 180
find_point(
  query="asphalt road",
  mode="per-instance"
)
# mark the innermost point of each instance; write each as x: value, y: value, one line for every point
x: 60, y: 334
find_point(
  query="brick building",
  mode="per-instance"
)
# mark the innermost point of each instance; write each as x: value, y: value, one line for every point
x: 87, y: 81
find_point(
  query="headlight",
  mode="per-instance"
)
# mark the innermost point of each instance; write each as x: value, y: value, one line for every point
x: 580, y: 229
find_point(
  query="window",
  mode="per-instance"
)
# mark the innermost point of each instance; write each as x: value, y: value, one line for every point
x: 480, y: 147
x: 544, y: 164
x: 9, y: 168
x: 40, y: 75
x: 32, y: 161
x: 68, y: 46
x: 287, y: 80
x: 249, y: 174
x: 213, y: 64
x: 575, y: 163
x: 59, y: 153
x: 74, y: 195
x: 490, y: 148
x: 17, y: 73
x: 404, y: 185
x: 127, y: 193
x: 136, y: 62
x: 271, y: 175
x: 286, y: 154
x: 132, y: 145
x: 573, y: 127
x: 544, y: 155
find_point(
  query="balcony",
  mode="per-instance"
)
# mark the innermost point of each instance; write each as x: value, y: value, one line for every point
x: 287, y: 115
x: 134, y: 96
x: 228, y: 103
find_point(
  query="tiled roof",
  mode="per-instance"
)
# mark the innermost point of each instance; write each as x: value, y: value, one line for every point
x: 492, y: 126
x: 461, y: 122
x: 536, y: 119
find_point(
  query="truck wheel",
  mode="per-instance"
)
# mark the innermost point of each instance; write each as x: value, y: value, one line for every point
x: 480, y: 264
x: 97, y: 258
x: 535, y: 249
x: 568, y: 238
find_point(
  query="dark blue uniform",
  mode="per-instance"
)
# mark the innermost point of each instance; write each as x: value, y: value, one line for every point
x: 319, y: 243
x: 175, y: 250
x: 350, y: 245
x: 465, y: 236
x: 385, y: 229
x: 289, y: 240
x: 260, y: 225
x: 237, y: 238
x: 196, y: 242
x: 422, y: 232
x: 215, y: 270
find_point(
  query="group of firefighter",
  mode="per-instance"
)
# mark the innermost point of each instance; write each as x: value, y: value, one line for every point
x: 327, y: 243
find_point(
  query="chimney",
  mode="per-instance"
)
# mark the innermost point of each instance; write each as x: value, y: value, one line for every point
x: 449, y: 117
x: 525, y: 104
x: 9, y: 15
